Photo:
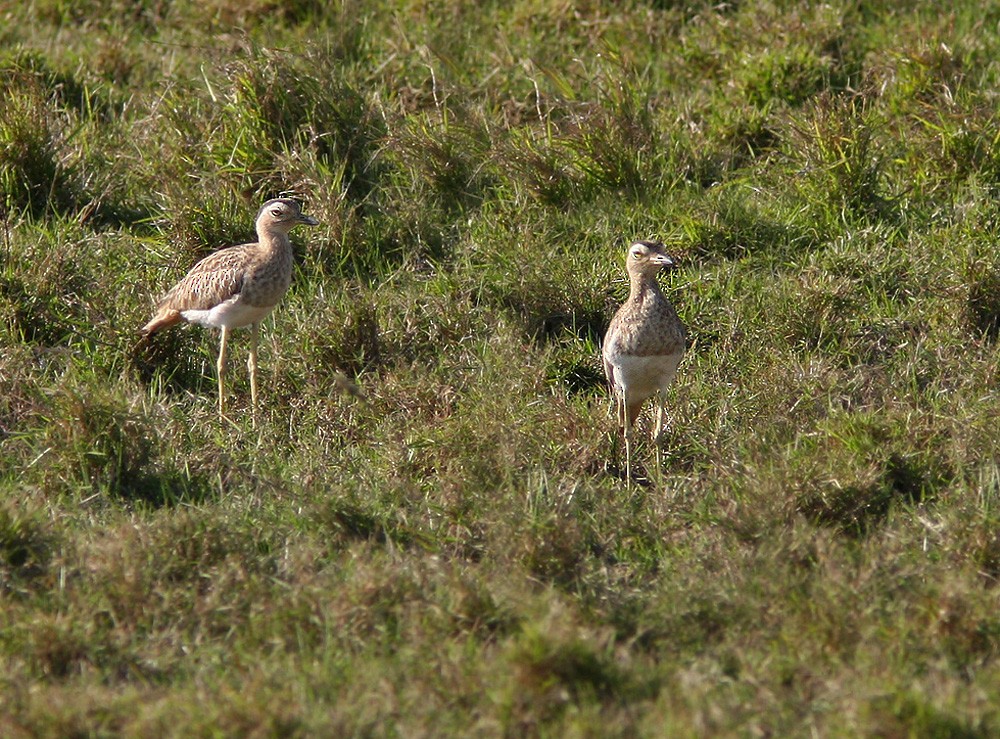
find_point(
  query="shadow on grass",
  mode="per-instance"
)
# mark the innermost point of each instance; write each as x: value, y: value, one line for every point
x: 983, y: 306
x: 112, y: 449
x: 26, y: 546
x: 858, y: 509
x: 170, y: 360
x: 354, y: 522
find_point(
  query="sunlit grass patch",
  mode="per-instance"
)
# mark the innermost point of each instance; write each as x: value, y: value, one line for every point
x: 428, y: 533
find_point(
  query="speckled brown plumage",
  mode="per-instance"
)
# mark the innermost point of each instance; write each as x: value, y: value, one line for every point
x: 236, y: 286
x: 259, y: 277
x: 644, y: 342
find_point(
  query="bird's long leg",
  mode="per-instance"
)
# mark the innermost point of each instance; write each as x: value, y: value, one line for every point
x: 628, y: 457
x: 632, y: 411
x: 658, y: 430
x: 252, y: 366
x: 626, y: 424
x: 220, y: 369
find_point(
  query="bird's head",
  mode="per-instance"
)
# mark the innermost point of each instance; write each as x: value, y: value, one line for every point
x: 282, y: 214
x: 647, y: 258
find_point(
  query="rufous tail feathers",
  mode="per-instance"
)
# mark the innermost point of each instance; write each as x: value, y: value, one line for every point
x: 165, y: 318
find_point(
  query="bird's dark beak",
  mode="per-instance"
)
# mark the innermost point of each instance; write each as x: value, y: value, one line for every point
x: 663, y: 260
x: 308, y: 220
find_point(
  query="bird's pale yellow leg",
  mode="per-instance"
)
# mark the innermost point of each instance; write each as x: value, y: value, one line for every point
x: 618, y: 393
x: 628, y: 456
x: 632, y: 411
x: 252, y: 366
x: 220, y: 369
x: 627, y: 419
x: 658, y: 431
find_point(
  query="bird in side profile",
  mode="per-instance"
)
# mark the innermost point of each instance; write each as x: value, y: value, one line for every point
x: 237, y: 286
x: 644, y: 343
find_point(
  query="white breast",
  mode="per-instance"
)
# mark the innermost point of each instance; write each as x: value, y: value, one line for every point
x: 641, y: 377
x: 232, y: 314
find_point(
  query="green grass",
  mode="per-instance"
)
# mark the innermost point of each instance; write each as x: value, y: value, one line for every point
x: 430, y: 531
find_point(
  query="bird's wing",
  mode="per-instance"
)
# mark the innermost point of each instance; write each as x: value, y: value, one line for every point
x: 609, y: 369
x: 609, y: 373
x: 213, y: 280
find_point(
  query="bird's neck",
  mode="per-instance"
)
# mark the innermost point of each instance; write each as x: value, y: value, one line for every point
x: 274, y: 241
x: 642, y: 286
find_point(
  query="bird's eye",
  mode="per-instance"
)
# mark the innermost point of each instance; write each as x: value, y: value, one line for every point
x: 276, y: 212
x: 636, y: 254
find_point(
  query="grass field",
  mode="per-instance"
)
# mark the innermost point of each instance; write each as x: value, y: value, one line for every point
x: 457, y: 552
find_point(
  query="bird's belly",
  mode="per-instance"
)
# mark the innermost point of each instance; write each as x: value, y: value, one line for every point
x: 232, y: 313
x: 643, y: 376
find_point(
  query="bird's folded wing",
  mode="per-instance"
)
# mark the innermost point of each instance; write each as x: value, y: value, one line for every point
x: 214, y: 280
